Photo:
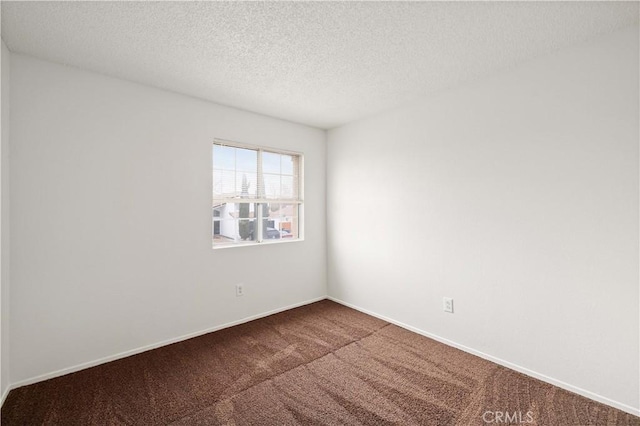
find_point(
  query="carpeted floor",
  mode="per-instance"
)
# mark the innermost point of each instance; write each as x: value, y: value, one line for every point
x: 319, y: 364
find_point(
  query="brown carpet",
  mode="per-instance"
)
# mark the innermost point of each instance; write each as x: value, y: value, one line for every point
x: 321, y: 364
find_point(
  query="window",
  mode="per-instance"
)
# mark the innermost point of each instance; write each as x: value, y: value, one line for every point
x: 257, y: 195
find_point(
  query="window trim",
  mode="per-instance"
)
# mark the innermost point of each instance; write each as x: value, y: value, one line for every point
x: 299, y: 201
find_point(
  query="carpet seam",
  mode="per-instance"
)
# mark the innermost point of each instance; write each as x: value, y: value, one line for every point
x: 332, y: 352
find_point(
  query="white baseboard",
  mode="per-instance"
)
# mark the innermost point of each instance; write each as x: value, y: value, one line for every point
x: 125, y: 354
x: 512, y: 366
x: 534, y: 374
x: 4, y: 395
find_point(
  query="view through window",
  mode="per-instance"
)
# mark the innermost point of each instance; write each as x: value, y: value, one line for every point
x: 256, y: 194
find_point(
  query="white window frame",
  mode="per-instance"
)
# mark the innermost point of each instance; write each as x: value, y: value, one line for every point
x: 259, y: 218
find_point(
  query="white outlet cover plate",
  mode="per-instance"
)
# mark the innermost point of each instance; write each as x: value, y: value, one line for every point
x: 447, y: 304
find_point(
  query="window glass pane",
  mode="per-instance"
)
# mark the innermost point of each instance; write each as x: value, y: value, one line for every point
x: 270, y: 162
x: 287, y: 164
x: 223, y: 231
x: 224, y: 183
x: 287, y: 189
x: 246, y: 184
x: 223, y: 157
x: 225, y: 211
x: 233, y: 222
x: 247, y: 160
x: 282, y: 221
x: 246, y: 229
x: 271, y: 186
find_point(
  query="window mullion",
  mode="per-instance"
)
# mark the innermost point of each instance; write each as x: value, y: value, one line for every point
x: 260, y: 190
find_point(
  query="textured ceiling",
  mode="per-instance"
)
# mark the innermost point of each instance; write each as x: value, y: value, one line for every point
x: 318, y: 63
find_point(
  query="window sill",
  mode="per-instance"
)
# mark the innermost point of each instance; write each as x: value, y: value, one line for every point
x: 264, y: 243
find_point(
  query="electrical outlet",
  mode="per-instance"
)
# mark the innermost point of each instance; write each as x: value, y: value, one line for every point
x: 239, y: 290
x: 447, y: 304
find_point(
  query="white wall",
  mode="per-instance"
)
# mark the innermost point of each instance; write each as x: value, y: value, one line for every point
x: 4, y: 224
x: 518, y: 197
x: 111, y: 219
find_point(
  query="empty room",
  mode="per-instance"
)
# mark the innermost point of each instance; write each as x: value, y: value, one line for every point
x: 320, y: 213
